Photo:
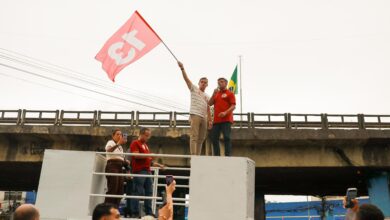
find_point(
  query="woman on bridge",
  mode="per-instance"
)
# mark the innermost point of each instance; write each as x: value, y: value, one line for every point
x: 115, y: 164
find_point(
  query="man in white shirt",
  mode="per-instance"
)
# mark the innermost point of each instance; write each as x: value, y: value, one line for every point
x: 200, y: 117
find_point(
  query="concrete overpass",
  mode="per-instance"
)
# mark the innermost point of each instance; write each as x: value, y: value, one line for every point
x: 309, y: 154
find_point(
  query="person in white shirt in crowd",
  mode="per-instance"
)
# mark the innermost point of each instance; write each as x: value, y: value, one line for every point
x: 115, y: 164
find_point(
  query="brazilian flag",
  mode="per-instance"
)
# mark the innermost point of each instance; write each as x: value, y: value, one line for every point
x: 233, y: 86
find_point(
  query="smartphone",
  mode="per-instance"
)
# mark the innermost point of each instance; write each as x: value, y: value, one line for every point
x: 169, y: 179
x: 351, y: 194
x: 124, y: 135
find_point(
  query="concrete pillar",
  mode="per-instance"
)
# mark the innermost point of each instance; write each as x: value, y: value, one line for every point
x: 379, y: 192
x: 259, y: 205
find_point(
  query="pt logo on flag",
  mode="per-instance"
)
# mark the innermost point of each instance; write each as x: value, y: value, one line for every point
x: 132, y: 41
x: 115, y: 49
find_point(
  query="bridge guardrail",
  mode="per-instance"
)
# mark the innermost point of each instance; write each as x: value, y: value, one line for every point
x: 10, y: 116
x: 269, y: 120
x: 115, y: 118
x: 376, y: 121
x: 242, y: 120
x: 314, y: 121
x: 39, y: 117
x: 78, y: 118
x: 160, y: 119
x: 181, y: 119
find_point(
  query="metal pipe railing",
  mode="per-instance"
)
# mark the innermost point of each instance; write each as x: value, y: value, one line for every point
x: 174, y: 204
x: 148, y: 155
x: 140, y: 175
x: 137, y: 197
x: 155, y: 176
x: 177, y: 186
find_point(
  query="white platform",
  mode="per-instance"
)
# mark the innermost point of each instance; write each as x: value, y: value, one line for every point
x: 66, y: 182
x: 220, y: 187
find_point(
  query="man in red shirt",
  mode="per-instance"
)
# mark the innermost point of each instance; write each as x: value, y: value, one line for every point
x: 224, y: 103
x: 142, y: 186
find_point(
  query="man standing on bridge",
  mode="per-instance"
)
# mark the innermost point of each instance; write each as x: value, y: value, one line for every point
x: 224, y: 103
x: 200, y: 117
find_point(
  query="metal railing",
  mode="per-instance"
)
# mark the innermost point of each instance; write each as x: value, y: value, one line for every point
x: 155, y: 175
x: 180, y: 119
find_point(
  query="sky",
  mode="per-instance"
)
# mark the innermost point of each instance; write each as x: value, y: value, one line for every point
x: 298, y: 56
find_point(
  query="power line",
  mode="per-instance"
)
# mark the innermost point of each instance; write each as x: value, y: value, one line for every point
x: 160, y: 101
x: 78, y: 73
x: 79, y: 87
x: 101, y: 86
x: 67, y: 91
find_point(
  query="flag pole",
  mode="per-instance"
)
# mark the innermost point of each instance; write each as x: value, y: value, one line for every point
x: 168, y: 49
x: 156, y: 35
x: 240, y: 88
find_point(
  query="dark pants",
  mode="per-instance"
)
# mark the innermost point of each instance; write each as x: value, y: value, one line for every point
x: 129, y: 191
x: 225, y: 128
x: 142, y: 186
x: 114, y: 183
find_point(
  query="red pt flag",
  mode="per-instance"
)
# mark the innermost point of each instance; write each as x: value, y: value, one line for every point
x: 133, y: 40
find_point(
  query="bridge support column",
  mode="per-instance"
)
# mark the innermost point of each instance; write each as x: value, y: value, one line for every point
x: 379, y: 192
x: 259, y: 205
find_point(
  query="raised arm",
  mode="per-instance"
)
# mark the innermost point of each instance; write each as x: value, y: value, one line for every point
x: 211, y: 100
x: 209, y: 119
x: 183, y: 71
x: 166, y: 212
x: 112, y: 148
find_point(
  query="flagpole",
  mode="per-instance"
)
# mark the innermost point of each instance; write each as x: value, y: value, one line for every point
x: 156, y: 35
x: 240, y: 88
x: 168, y: 49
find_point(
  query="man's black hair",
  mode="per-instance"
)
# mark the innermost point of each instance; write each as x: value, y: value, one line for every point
x: 369, y: 212
x: 224, y: 79
x: 101, y: 210
x: 143, y: 130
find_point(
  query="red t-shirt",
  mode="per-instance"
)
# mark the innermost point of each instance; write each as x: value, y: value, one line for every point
x: 222, y: 102
x: 140, y: 163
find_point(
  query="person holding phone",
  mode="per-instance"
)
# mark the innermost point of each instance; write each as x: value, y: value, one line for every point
x: 224, y: 103
x: 200, y: 117
x: 142, y: 186
x: 166, y: 212
x: 363, y: 212
x: 114, y: 165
